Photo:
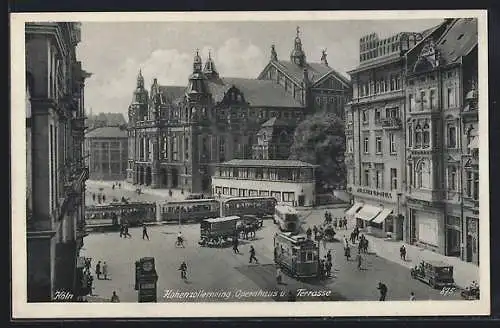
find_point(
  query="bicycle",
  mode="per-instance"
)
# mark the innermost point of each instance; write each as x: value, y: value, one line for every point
x: 180, y: 243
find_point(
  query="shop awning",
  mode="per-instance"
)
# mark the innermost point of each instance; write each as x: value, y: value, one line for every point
x: 474, y: 143
x: 368, y: 212
x: 353, y: 209
x: 383, y: 215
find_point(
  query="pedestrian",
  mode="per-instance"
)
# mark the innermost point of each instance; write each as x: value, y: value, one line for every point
x: 252, y: 255
x: 345, y: 223
x: 359, y: 259
x: 383, y: 291
x: 183, y: 269
x: 329, y: 256
x: 328, y: 267
x: 279, y: 277
x: 348, y: 253
x: 125, y: 230
x: 322, y: 269
x: 121, y: 230
x: 335, y: 223
x: 105, y: 270
x: 309, y: 233
x: 402, y: 252
x: 98, y: 270
x: 144, y: 231
x: 235, y: 245
x: 346, y: 242
x: 412, y: 296
x: 315, y: 231
x: 113, y: 187
x: 114, y: 298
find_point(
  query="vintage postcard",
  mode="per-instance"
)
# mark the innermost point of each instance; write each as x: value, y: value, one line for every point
x: 250, y: 164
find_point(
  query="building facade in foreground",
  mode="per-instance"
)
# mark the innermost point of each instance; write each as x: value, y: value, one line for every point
x: 290, y: 182
x: 107, y: 151
x: 55, y: 170
x: 414, y: 175
x: 178, y: 134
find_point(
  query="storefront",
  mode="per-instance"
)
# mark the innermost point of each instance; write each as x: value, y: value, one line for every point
x: 426, y: 229
x: 472, y: 240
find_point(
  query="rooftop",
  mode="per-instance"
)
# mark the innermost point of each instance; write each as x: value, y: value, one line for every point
x: 458, y: 40
x: 266, y: 163
x: 315, y: 70
x: 107, y: 132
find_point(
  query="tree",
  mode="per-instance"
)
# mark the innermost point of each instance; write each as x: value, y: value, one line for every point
x: 320, y: 140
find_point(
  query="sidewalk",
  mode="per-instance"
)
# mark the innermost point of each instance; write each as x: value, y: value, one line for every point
x: 463, y: 272
x: 176, y: 193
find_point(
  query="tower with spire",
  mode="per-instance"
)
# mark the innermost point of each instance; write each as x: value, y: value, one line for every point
x: 209, y: 69
x: 298, y: 56
x: 139, y: 106
x: 196, y: 86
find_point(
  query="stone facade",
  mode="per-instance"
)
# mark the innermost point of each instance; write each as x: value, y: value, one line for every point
x: 436, y: 137
x: 56, y: 170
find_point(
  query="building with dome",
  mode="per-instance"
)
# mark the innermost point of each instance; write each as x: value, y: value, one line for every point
x: 177, y: 134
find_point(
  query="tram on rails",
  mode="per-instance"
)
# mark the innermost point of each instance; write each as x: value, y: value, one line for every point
x: 287, y: 218
x: 262, y: 207
x: 296, y: 255
x: 187, y: 210
x: 132, y: 213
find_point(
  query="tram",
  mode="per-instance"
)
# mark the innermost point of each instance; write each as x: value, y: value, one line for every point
x: 259, y: 206
x: 296, y: 255
x: 187, y: 210
x: 287, y: 218
x: 133, y: 213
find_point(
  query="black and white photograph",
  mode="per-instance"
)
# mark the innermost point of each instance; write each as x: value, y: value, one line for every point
x: 262, y: 164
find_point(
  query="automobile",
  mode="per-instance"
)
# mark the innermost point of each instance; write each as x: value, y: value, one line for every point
x: 252, y: 220
x: 434, y: 273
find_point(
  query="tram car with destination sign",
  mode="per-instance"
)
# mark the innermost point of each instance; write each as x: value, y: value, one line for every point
x: 112, y: 215
x: 296, y: 255
x: 218, y: 232
x: 194, y: 210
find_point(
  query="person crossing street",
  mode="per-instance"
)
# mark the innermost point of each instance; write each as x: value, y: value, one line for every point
x: 252, y: 255
x: 145, y: 231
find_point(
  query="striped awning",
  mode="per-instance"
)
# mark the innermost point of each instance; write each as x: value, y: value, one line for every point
x: 368, y: 212
x: 353, y: 209
x: 382, y: 215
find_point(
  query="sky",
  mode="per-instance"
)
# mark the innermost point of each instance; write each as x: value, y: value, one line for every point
x: 115, y: 51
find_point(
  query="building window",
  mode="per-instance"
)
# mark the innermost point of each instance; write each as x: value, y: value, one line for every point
x: 411, y: 103
x: 288, y: 196
x: 392, y: 143
x: 378, y: 115
x: 469, y: 186
x: 451, y: 97
x: 394, y: 179
x: 418, y: 136
x: 426, y: 136
x: 366, y: 177
x: 410, y: 135
x: 422, y: 100
x: 222, y: 149
x: 475, y: 193
x: 452, y: 178
x: 378, y: 144
x: 364, y: 114
x: 175, y: 148
x: 452, y: 136
x: 349, y: 145
x: 410, y: 174
x: 433, y: 99
x: 225, y: 191
x: 366, y: 144
x: 276, y: 195
x: 379, y: 177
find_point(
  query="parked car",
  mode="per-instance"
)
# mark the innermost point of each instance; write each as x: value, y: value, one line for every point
x: 434, y: 273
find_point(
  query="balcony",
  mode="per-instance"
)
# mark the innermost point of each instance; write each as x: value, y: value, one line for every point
x: 427, y: 195
x: 392, y: 123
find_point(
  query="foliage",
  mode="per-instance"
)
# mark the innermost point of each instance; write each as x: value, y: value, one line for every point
x: 320, y: 140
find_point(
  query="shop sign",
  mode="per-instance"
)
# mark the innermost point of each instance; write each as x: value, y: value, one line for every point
x: 374, y: 193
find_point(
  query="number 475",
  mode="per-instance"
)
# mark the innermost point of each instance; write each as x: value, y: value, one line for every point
x: 448, y: 291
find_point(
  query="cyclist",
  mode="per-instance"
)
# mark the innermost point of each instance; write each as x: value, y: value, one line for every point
x: 180, y: 239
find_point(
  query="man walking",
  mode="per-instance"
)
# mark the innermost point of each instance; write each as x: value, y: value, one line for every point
x: 383, y: 291
x: 402, y: 252
x: 98, y: 270
x: 114, y: 298
x: 252, y: 255
x: 183, y: 269
x: 125, y: 231
x: 412, y: 296
x: 359, y: 259
x: 105, y: 270
x: 144, y: 231
x: 235, y: 245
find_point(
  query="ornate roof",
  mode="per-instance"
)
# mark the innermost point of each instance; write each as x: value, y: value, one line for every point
x: 458, y: 40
